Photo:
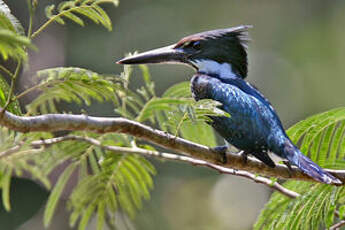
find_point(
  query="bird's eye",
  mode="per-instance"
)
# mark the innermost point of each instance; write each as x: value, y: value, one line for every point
x: 196, y: 45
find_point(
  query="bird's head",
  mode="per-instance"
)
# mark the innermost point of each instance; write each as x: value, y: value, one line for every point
x: 219, y: 52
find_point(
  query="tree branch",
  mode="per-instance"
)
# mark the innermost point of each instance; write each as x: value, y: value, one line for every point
x: 169, y: 156
x: 58, y: 122
x: 337, y: 225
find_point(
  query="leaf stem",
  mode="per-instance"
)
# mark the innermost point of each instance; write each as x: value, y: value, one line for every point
x: 39, y: 30
x: 180, y: 123
x: 31, y: 15
x: 47, y: 23
x: 109, y: 223
x: 29, y: 90
x: 13, y: 82
x: 3, y: 68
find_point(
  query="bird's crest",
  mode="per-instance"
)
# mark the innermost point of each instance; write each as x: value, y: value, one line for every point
x: 239, y: 32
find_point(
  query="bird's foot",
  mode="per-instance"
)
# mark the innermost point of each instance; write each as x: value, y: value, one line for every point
x: 287, y: 163
x: 244, y: 156
x: 221, y: 150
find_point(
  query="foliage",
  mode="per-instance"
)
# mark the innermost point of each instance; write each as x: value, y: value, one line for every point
x: 12, y: 39
x: 8, y: 21
x: 320, y: 136
x: 120, y: 180
x: 13, y: 45
x: 4, y: 91
x: 70, y: 85
x: 17, y: 158
x: 175, y: 111
x: 315, y: 208
x: 74, y: 9
x: 109, y: 182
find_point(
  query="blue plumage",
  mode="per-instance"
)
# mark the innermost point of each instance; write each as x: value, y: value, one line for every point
x: 254, y: 126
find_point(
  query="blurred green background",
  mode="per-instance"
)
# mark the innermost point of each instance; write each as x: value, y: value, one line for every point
x: 297, y: 59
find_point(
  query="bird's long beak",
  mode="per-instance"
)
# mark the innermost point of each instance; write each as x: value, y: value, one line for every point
x: 160, y: 55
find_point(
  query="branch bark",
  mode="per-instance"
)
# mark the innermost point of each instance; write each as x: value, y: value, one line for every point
x: 337, y: 225
x: 58, y: 122
x: 168, y: 156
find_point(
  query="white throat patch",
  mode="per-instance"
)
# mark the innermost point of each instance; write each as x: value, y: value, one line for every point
x: 213, y: 67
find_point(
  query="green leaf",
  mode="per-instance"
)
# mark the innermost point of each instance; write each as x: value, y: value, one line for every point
x: 306, y: 212
x: 208, y: 107
x: 17, y: 158
x: 179, y: 90
x: 5, y: 187
x: 71, y: 85
x: 178, y: 113
x: 342, y: 212
x: 122, y: 180
x: 101, y: 215
x: 74, y: 9
x: 4, y: 91
x: 8, y: 21
x: 13, y: 45
x: 13, y: 42
x: 74, y: 18
x: 156, y: 104
x: 321, y: 136
x: 145, y: 73
x: 56, y: 193
x: 199, y: 132
x: 86, y: 217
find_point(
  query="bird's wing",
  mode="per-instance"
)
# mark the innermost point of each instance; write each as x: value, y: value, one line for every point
x: 252, y: 116
x: 249, y: 89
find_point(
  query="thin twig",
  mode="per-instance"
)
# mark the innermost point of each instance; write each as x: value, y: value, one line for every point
x: 13, y: 82
x: 35, y: 87
x: 31, y: 16
x: 58, y: 122
x: 170, y: 156
x: 109, y: 222
x: 337, y: 225
x: 9, y: 73
x: 53, y: 18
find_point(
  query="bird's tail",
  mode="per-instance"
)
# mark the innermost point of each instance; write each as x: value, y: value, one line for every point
x: 296, y: 157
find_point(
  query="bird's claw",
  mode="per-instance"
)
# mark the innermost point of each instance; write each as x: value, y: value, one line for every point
x: 287, y: 163
x: 221, y: 150
x: 244, y: 156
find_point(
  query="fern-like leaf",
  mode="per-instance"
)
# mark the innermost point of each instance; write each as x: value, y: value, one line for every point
x: 180, y: 114
x: 5, y: 182
x: 71, y: 85
x: 17, y: 157
x: 322, y: 137
x: 179, y: 90
x: 8, y: 20
x: 122, y: 182
x: 13, y: 43
x: 4, y: 91
x: 313, y: 209
x: 74, y: 9
x: 56, y: 193
x: 160, y: 104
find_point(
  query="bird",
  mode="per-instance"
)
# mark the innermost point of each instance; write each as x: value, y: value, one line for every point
x: 220, y: 60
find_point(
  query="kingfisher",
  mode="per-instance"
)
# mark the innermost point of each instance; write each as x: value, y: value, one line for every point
x: 219, y: 58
